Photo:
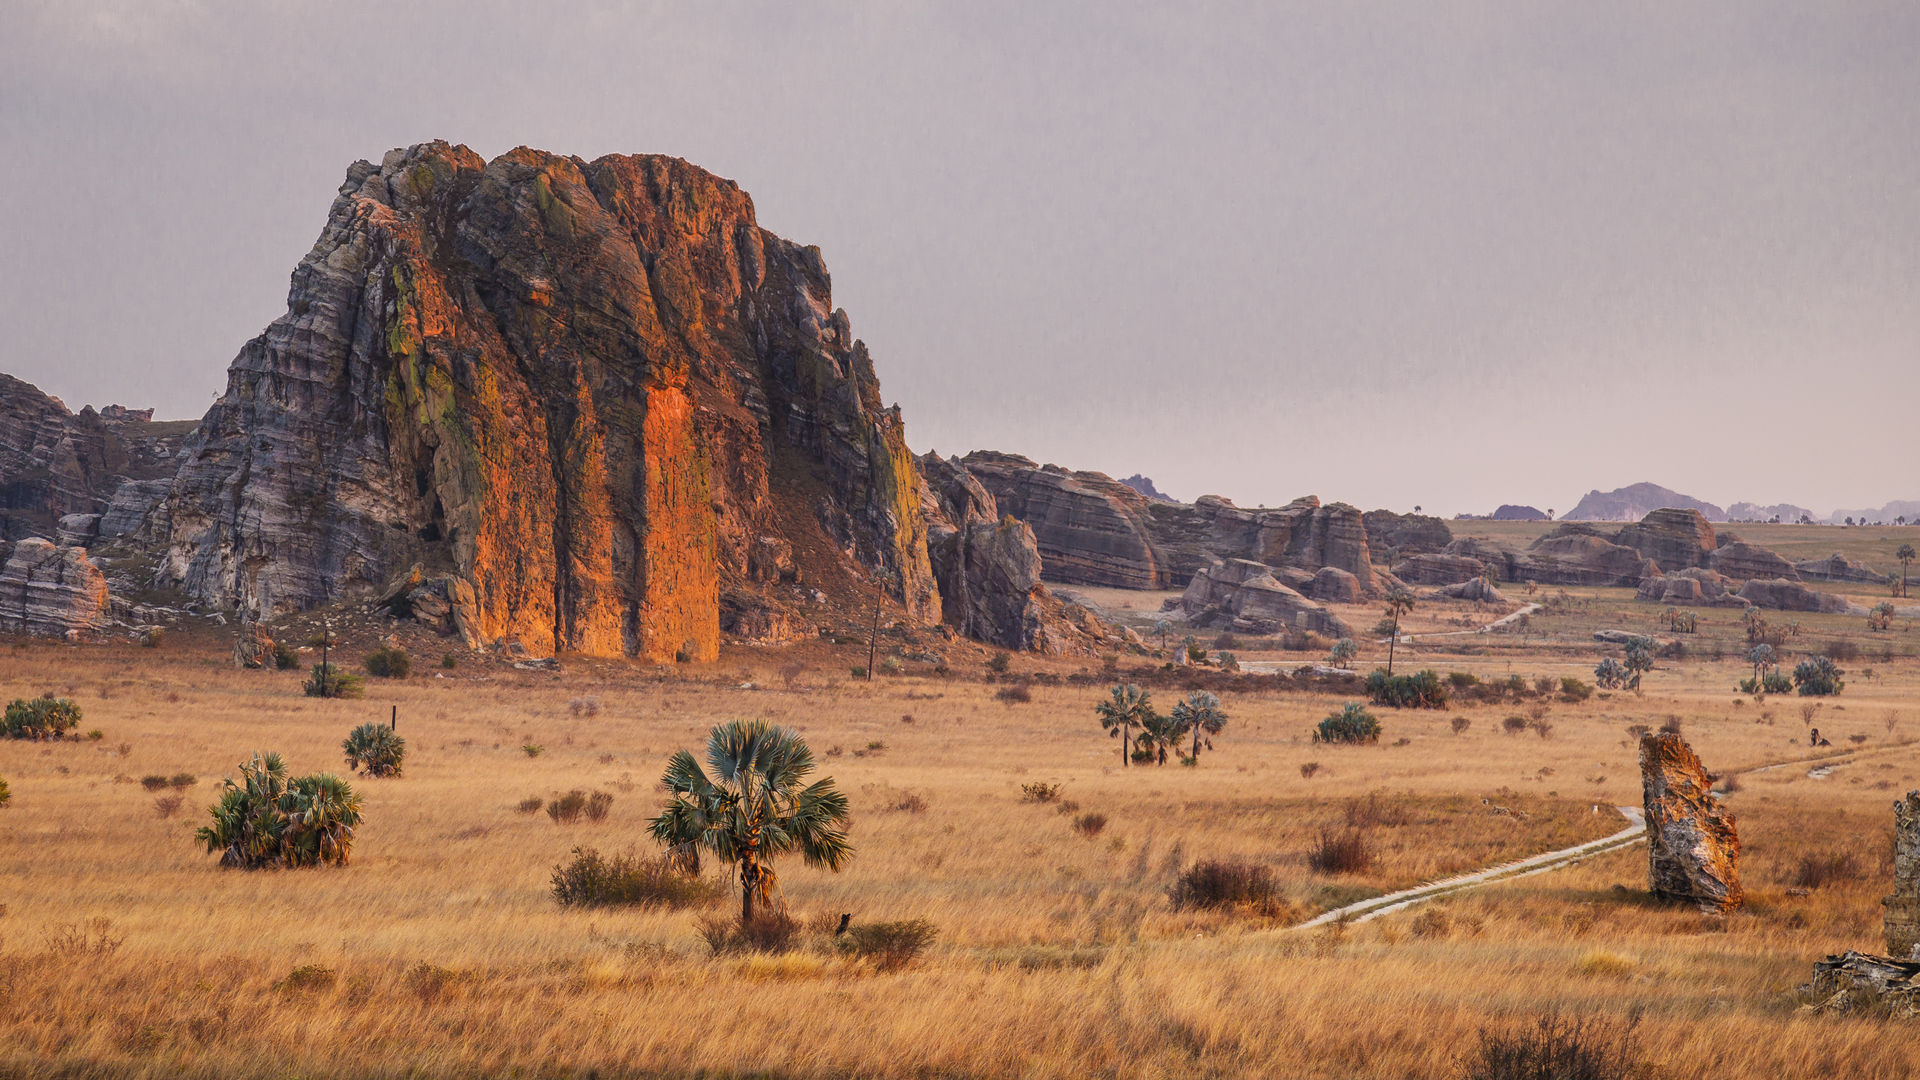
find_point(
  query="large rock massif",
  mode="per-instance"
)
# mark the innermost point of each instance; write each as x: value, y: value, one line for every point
x: 1693, y: 852
x: 583, y: 391
x: 50, y: 590
x: 1636, y: 501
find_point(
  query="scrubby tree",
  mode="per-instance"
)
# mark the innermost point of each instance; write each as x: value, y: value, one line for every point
x: 1639, y: 660
x: 1881, y: 617
x: 754, y: 807
x: 44, y: 717
x: 1610, y: 674
x: 271, y: 819
x: 1761, y: 657
x: 1201, y: 716
x: 1127, y: 707
x: 375, y: 747
x: 1352, y: 724
x: 1905, y: 555
x: 1399, y: 602
x: 1343, y: 652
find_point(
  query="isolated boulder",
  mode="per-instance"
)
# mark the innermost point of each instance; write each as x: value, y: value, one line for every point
x: 252, y: 646
x: 1700, y: 588
x: 1693, y: 852
x: 1243, y: 595
x: 49, y: 590
x: 1673, y: 538
x: 1861, y: 981
x: 1783, y: 595
x: 1741, y: 560
x: 1479, y: 590
x: 1332, y: 585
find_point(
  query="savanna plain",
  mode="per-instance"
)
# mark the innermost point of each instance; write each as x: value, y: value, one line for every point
x: 1046, y: 866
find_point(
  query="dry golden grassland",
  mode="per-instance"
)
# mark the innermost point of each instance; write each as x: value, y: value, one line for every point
x: 125, y: 951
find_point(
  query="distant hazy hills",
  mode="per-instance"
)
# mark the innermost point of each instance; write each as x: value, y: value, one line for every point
x: 1635, y: 501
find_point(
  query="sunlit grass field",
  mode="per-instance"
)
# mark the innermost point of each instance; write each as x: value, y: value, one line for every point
x: 126, y: 951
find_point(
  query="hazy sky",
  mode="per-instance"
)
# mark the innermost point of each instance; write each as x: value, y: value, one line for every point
x: 1434, y: 253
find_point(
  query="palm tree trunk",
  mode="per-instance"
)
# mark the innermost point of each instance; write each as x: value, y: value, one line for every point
x: 749, y: 884
x: 1126, y: 745
x: 1393, y: 640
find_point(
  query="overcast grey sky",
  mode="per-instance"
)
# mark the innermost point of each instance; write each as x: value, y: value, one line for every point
x: 1452, y: 254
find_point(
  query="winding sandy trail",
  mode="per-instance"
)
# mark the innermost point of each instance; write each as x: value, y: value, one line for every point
x: 1537, y: 864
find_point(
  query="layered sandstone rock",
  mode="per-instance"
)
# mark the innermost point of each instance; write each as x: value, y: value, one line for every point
x: 1838, y: 567
x: 987, y: 566
x: 1673, y: 538
x: 1693, y: 852
x: 1742, y: 561
x: 1244, y: 595
x: 1332, y: 585
x: 1782, y: 595
x: 1477, y: 590
x: 581, y: 391
x: 1577, y: 558
x: 50, y: 590
x: 1406, y: 534
x: 55, y: 463
x: 1089, y: 528
x: 1441, y: 568
x: 1902, y: 919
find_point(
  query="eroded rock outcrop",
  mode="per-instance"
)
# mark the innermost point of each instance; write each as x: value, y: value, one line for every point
x: 1244, y: 595
x: 1442, y: 568
x: 582, y: 390
x: 1406, y: 534
x: 1573, y: 557
x: 1902, y: 919
x: 1741, y: 561
x: 1476, y: 590
x: 1089, y: 528
x: 1693, y: 852
x: 50, y: 590
x: 253, y: 646
x: 1676, y: 539
x: 987, y: 564
x: 1783, y: 595
x: 1693, y: 586
x: 1838, y: 567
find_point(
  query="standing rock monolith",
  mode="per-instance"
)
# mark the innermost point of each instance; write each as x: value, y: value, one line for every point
x: 1903, y: 905
x: 1693, y: 852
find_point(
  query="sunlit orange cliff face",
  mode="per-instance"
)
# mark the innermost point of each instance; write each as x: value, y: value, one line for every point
x: 595, y: 400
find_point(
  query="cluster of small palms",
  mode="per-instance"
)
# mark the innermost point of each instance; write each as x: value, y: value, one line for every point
x: 375, y: 747
x: 1128, y: 707
x: 269, y: 818
x: 44, y: 717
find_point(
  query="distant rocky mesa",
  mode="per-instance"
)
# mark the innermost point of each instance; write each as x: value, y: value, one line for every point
x: 1636, y: 501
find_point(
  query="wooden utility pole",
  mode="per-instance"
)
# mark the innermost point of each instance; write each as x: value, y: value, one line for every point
x: 394, y: 724
x: 873, y: 638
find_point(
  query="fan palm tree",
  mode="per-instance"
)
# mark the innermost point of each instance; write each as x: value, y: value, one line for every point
x: 375, y: 747
x: 1158, y: 732
x: 1200, y: 714
x: 752, y: 808
x: 1399, y: 602
x: 1905, y: 555
x: 269, y: 819
x: 321, y: 812
x: 1127, y: 706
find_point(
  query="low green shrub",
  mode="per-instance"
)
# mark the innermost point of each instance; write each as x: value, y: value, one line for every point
x: 328, y: 681
x: 890, y: 945
x: 1818, y: 676
x: 389, y: 663
x: 590, y: 879
x: 285, y: 656
x: 1352, y: 724
x: 1572, y: 689
x: 6, y: 793
x: 376, y: 748
x: 1421, y: 690
x: 44, y: 717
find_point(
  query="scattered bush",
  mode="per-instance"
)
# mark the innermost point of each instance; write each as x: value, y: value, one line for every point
x: 1818, y: 676
x: 531, y: 804
x: 328, y: 681
x: 1572, y: 689
x: 1556, y: 1049
x: 1461, y: 724
x: 307, y: 977
x: 168, y: 805
x: 1215, y: 883
x: 1421, y: 690
x: 590, y: 879
x: 890, y: 945
x: 1090, y: 824
x: 285, y: 656
x: 1352, y: 724
x: 6, y: 793
x: 1541, y: 726
x: 1841, y: 651
x: 584, y: 707
x: 909, y: 802
x: 571, y: 807
x: 532, y: 749
x: 1514, y: 725
x: 1817, y: 871
x: 999, y: 663
x: 1040, y: 792
x: 1308, y: 768
x: 1347, y: 851
x: 182, y: 780
x: 858, y: 672
x: 153, y: 782
x: 1545, y: 684
x: 1017, y: 694
x: 44, y: 717
x: 376, y: 748
x: 270, y: 819
x: 766, y: 932
x: 1462, y: 680
x: 389, y: 663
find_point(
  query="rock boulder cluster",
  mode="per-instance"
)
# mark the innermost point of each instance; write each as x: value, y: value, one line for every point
x: 1889, y: 983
